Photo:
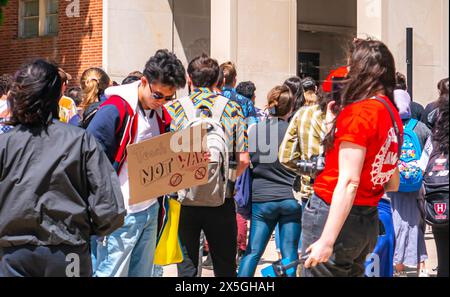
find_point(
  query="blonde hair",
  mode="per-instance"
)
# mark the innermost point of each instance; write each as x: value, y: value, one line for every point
x: 280, y: 98
x: 94, y: 82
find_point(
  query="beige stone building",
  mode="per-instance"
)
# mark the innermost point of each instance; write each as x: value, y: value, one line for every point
x: 270, y: 40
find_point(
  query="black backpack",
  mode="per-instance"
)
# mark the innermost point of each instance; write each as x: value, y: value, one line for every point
x: 435, y: 181
x: 88, y: 115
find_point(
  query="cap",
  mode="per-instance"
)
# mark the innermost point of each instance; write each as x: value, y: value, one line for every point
x: 64, y: 75
x: 341, y: 72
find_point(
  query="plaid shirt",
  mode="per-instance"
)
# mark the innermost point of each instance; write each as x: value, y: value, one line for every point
x: 302, y: 141
x: 232, y: 118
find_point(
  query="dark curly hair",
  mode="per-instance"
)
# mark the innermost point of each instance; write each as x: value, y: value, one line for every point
x: 165, y: 68
x: 246, y: 89
x: 203, y: 71
x: 5, y: 84
x: 35, y: 93
x: 441, y: 129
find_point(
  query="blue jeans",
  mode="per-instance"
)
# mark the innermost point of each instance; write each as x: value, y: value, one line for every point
x: 129, y: 250
x: 265, y: 216
x: 277, y: 233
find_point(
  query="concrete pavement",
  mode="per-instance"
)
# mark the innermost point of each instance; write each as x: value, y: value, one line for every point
x: 270, y: 256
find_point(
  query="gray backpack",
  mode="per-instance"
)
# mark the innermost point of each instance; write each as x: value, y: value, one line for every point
x: 211, y: 194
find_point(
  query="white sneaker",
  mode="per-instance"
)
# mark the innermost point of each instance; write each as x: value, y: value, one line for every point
x: 424, y: 273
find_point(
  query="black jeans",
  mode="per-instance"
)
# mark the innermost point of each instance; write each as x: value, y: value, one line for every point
x: 356, y: 240
x: 46, y: 261
x: 220, y: 228
x: 441, y: 238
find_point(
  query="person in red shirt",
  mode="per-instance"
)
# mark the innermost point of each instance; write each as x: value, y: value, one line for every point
x: 340, y: 221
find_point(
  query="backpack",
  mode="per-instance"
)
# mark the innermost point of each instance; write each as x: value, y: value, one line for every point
x: 436, y: 188
x: 211, y: 194
x: 88, y: 115
x: 410, y: 173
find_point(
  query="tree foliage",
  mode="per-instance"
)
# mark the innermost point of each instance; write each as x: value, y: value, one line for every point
x: 2, y: 4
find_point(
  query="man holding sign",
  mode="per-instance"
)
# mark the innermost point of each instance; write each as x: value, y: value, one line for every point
x: 134, y: 113
x: 206, y: 207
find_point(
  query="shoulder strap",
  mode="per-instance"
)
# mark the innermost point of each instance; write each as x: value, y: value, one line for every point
x: 219, y: 107
x: 188, y: 107
x: 126, y: 130
x: 411, y: 124
x: 391, y: 113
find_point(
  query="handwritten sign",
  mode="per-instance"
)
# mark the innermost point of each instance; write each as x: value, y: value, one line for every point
x: 166, y: 164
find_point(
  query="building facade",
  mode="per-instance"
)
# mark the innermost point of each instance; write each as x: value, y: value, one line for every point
x: 269, y: 40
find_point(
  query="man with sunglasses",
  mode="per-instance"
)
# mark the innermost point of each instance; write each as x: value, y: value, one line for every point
x: 131, y: 114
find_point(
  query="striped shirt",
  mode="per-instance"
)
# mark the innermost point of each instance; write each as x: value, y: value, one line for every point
x: 303, y: 140
x: 232, y: 118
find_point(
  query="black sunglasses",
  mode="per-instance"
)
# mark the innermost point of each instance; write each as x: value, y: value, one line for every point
x: 159, y: 96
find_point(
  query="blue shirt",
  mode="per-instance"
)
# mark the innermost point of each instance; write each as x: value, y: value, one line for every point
x: 248, y: 108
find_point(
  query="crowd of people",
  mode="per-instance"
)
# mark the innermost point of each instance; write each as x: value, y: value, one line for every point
x: 335, y: 169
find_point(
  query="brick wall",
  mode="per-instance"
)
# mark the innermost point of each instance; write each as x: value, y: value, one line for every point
x: 78, y: 45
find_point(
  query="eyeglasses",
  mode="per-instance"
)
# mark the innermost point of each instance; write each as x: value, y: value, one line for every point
x: 159, y: 96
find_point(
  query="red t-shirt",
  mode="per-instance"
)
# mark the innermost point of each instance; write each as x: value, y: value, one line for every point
x: 366, y: 123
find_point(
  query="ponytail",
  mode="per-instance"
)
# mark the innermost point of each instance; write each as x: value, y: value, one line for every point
x: 94, y: 82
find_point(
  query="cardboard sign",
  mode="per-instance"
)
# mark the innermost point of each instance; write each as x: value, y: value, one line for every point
x: 166, y: 164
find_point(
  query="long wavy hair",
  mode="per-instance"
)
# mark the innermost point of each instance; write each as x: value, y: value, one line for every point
x: 34, y: 94
x: 441, y: 130
x: 372, y: 71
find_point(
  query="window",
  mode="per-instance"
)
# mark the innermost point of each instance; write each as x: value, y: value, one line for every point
x: 38, y: 18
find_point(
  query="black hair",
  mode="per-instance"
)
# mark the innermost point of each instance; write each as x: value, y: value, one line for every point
x: 5, y: 83
x: 165, y: 68
x: 441, y: 128
x: 203, y: 71
x: 75, y: 94
x: 130, y: 79
x: 246, y: 89
x: 308, y: 84
x: 294, y: 83
x: 35, y: 94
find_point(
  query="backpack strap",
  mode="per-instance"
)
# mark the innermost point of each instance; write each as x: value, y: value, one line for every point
x: 164, y: 121
x: 126, y: 131
x: 188, y: 107
x: 411, y: 124
x: 394, y: 122
x: 219, y: 107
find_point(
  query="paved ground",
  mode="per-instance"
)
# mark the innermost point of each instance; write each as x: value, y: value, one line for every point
x: 270, y: 256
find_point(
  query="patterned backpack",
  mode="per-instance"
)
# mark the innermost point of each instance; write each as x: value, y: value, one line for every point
x: 410, y: 173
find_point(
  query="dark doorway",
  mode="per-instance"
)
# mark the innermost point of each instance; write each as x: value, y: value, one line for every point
x: 308, y: 65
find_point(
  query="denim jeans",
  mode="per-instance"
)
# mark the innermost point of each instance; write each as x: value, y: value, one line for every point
x: 277, y: 232
x: 356, y: 240
x: 129, y: 250
x: 265, y: 216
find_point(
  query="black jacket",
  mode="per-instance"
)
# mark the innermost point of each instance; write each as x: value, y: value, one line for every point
x: 56, y: 187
